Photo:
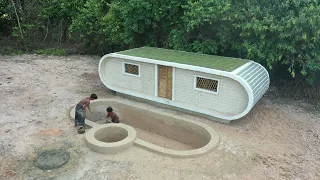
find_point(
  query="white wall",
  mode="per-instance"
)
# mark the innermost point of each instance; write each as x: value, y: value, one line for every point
x: 231, y: 99
x: 141, y: 85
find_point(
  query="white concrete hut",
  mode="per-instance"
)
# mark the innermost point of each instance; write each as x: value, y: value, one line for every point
x: 221, y: 87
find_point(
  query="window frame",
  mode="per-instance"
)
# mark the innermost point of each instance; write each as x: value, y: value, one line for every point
x: 124, y: 69
x: 204, y: 90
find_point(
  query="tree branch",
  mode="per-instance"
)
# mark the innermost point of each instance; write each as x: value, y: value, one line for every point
x: 15, y: 10
x: 44, y: 39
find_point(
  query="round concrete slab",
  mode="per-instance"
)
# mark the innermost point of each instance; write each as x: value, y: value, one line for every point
x: 110, y: 138
x: 52, y: 159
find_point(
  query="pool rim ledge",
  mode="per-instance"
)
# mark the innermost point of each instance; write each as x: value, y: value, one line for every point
x: 110, y: 147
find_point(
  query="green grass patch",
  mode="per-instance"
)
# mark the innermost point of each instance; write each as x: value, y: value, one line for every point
x: 11, y: 51
x: 182, y: 57
x: 56, y: 52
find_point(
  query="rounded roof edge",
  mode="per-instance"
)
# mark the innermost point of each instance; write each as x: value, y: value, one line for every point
x: 257, y: 78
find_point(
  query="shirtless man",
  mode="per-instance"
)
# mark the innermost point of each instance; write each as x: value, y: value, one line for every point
x: 80, y: 112
x: 114, y: 117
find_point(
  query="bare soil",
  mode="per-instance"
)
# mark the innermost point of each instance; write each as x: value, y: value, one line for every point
x: 278, y: 139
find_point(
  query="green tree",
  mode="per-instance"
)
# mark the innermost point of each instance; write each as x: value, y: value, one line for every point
x: 280, y: 32
x: 6, y: 20
x: 268, y: 31
x: 271, y: 32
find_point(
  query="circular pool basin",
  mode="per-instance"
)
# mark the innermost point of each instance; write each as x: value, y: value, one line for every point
x: 110, y: 138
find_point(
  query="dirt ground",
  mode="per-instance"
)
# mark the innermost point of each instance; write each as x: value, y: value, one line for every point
x: 278, y: 139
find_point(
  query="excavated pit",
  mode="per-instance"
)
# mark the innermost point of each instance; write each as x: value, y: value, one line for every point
x: 149, y: 128
x: 155, y: 128
x: 111, y: 134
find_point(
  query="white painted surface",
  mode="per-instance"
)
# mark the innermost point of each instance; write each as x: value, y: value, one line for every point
x: 231, y: 100
x: 149, y: 93
x: 143, y: 84
x: 236, y: 71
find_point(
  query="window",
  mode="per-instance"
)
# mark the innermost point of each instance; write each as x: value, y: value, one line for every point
x: 206, y: 84
x: 131, y: 69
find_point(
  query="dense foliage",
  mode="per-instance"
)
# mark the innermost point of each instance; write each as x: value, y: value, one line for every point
x: 278, y: 34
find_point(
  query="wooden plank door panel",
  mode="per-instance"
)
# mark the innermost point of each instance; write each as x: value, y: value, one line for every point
x: 169, y: 82
x: 165, y: 81
x: 162, y: 81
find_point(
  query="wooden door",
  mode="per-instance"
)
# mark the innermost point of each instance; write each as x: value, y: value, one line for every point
x: 165, y: 81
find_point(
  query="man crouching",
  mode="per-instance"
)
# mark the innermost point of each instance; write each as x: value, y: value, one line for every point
x: 80, y: 113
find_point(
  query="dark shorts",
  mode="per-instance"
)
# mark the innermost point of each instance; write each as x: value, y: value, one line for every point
x: 115, y: 121
x: 79, y: 116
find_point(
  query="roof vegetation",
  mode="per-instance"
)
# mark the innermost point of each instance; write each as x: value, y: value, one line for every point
x: 182, y: 57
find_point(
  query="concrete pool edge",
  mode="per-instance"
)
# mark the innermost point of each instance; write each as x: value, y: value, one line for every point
x: 110, y: 147
x: 213, y: 142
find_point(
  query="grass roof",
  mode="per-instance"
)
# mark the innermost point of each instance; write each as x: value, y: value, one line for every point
x: 182, y: 57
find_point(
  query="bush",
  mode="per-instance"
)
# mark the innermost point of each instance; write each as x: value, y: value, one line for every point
x: 274, y: 33
x: 56, y: 52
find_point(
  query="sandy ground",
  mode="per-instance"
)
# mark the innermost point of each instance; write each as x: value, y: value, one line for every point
x: 278, y: 139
